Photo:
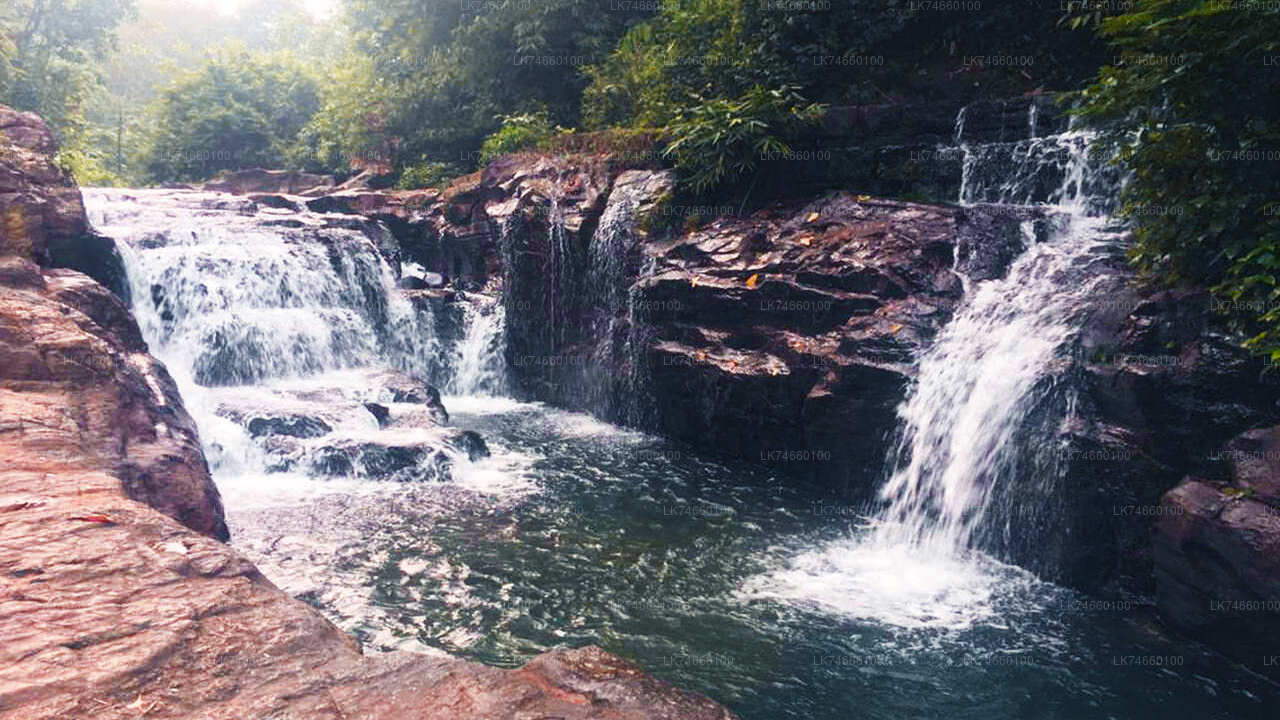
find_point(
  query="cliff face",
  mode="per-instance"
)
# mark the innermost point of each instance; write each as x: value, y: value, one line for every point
x: 118, y: 599
x: 81, y: 392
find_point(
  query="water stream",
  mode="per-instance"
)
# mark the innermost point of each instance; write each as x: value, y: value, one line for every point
x: 779, y: 601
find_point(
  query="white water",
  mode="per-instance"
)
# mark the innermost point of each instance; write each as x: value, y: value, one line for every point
x: 263, y: 313
x: 916, y: 564
x: 479, y: 361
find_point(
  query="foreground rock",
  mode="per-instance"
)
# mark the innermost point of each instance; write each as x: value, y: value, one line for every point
x: 119, y: 601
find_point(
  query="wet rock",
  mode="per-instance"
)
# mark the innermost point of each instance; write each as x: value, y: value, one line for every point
x: 381, y: 413
x: 44, y: 219
x: 296, y: 426
x: 274, y: 200
x: 474, y: 445
x: 406, y: 458
x: 1162, y: 390
x: 392, y: 386
x: 1217, y: 559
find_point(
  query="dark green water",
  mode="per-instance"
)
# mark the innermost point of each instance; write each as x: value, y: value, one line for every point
x: 689, y: 568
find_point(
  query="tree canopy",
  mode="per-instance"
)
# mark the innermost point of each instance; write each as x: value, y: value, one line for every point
x: 238, y: 110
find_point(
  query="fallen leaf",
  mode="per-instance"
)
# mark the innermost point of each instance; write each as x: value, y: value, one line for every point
x: 753, y: 281
x: 896, y: 327
x: 864, y: 198
x: 812, y: 216
x: 94, y: 517
x: 694, y: 281
x: 806, y: 241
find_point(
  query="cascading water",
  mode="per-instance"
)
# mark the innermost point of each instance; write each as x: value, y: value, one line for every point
x: 964, y: 426
x: 478, y: 359
x: 300, y: 362
x: 280, y: 327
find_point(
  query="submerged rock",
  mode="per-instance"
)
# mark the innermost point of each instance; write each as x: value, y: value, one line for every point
x: 300, y: 427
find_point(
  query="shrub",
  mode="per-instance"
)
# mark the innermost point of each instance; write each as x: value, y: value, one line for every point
x: 1197, y: 125
x: 718, y: 140
x: 523, y: 131
x: 239, y: 110
x: 427, y: 175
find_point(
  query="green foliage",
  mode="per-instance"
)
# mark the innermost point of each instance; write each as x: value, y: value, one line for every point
x: 427, y: 175
x: 8, y: 73
x: 239, y: 110
x: 721, y: 140
x: 349, y: 132
x: 49, y: 54
x: 523, y: 131
x: 447, y: 71
x: 90, y: 166
x: 1196, y: 117
x: 848, y: 53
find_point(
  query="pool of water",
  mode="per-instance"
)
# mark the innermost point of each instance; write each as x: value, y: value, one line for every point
x: 723, y: 579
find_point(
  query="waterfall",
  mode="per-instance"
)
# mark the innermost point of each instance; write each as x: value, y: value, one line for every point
x: 990, y: 366
x: 285, y: 333
x: 966, y: 460
x: 479, y: 358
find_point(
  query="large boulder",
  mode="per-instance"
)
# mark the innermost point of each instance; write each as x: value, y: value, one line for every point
x: 1217, y: 553
x: 42, y: 215
x: 72, y: 348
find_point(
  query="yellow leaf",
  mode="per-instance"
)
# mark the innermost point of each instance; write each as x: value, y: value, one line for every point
x: 864, y: 198
x: 694, y: 281
x: 812, y: 216
x: 806, y: 241
x: 753, y: 281
x: 896, y: 327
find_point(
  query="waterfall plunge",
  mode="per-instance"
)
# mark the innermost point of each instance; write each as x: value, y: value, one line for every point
x: 918, y: 564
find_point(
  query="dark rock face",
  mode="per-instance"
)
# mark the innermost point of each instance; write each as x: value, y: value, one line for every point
x: 297, y: 426
x: 794, y: 332
x: 769, y: 337
x: 1162, y: 389
x: 1217, y: 553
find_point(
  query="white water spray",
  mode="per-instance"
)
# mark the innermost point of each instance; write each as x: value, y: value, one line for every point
x: 916, y: 565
